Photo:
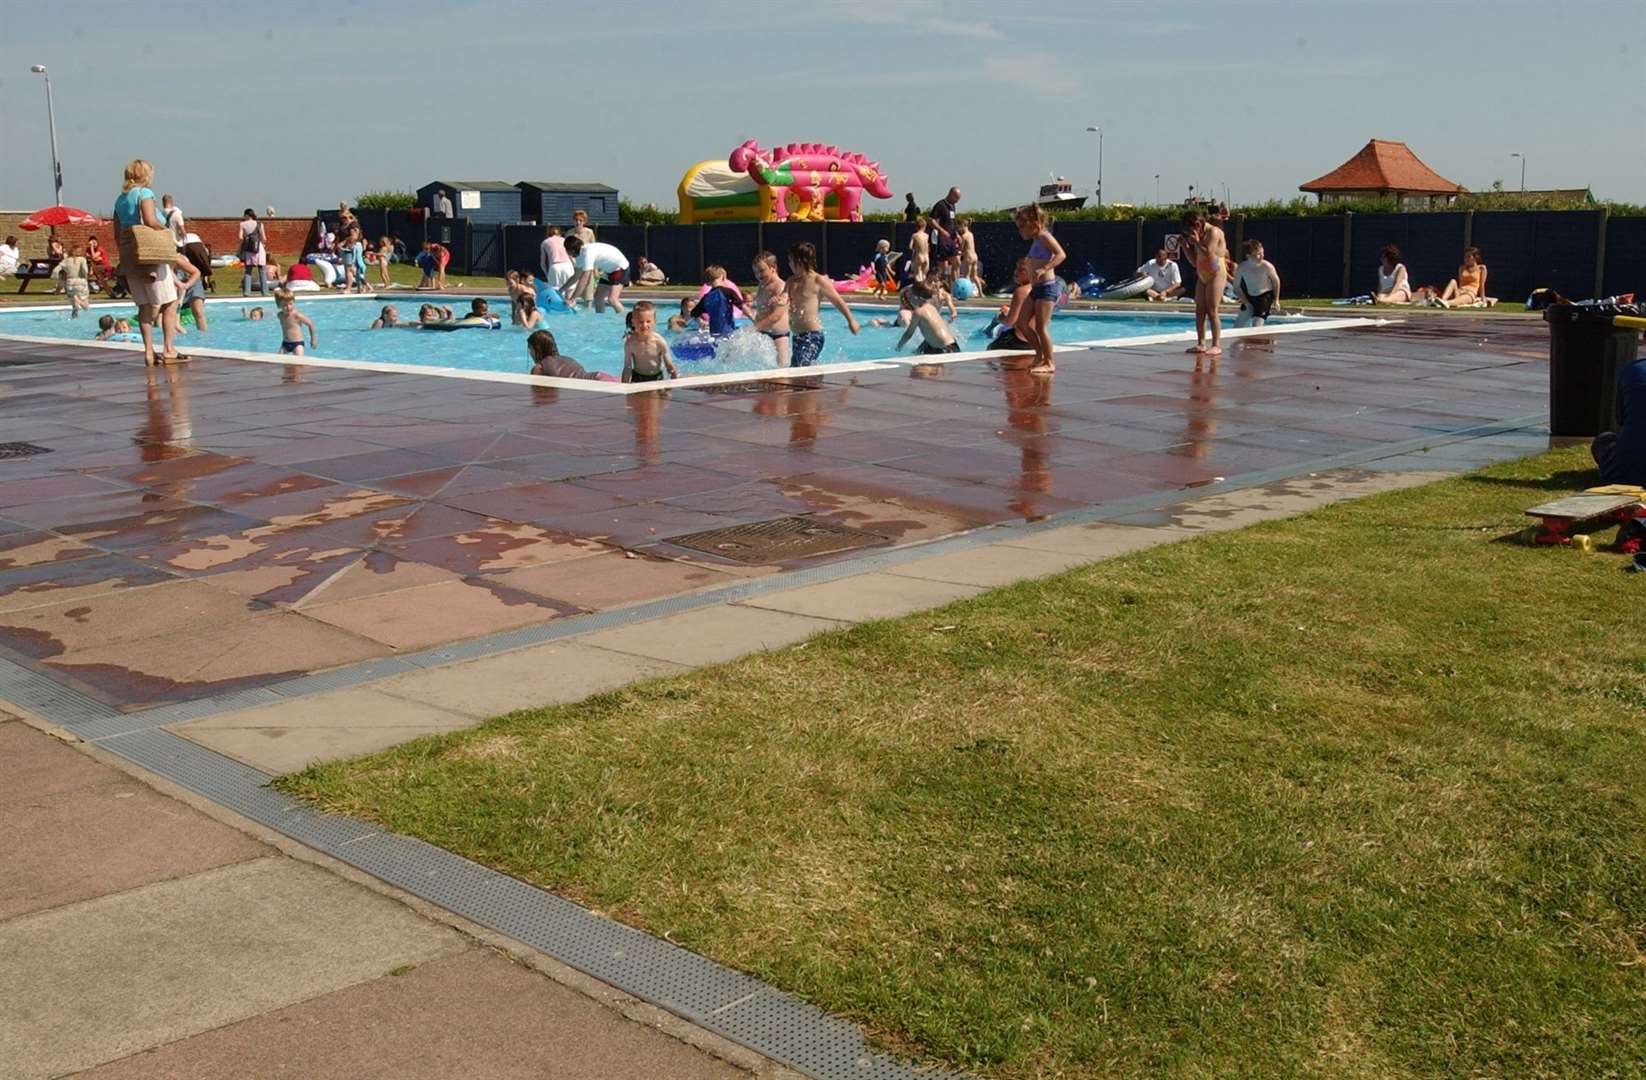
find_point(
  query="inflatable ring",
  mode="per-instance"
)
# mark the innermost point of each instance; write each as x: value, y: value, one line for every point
x: 693, y: 345
x: 1136, y: 285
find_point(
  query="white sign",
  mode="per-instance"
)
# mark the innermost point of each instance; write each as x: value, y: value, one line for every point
x: 468, y: 200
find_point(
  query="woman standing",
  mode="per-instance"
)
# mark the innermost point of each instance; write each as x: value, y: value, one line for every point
x: 152, y: 285
x: 253, y: 253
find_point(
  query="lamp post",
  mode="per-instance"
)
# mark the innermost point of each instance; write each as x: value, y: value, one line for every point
x: 1099, y: 131
x: 51, y: 122
x: 1522, y: 158
x: 1157, y: 189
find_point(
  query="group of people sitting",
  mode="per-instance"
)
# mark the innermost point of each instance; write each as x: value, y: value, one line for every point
x: 1467, y: 289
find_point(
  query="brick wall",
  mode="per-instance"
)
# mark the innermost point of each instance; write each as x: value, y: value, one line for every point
x: 285, y: 236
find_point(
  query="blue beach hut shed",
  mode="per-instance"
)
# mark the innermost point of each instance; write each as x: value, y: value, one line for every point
x: 551, y: 202
x: 483, y: 202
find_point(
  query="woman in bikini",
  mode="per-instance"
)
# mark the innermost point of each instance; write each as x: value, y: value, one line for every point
x: 1204, y: 241
x: 1468, y: 289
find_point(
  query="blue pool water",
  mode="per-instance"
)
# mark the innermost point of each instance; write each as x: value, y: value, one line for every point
x: 593, y: 340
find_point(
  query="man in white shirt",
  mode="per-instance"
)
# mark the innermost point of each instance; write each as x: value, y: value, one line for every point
x: 173, y: 217
x: 601, y: 264
x: 442, y: 204
x: 9, y: 256
x: 1166, y: 280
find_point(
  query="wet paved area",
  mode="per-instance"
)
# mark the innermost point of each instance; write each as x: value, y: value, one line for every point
x: 229, y: 524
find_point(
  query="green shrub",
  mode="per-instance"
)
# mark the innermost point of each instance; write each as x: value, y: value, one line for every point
x: 629, y: 213
x: 385, y: 200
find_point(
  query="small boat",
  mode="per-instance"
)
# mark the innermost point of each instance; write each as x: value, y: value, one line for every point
x: 1059, y: 195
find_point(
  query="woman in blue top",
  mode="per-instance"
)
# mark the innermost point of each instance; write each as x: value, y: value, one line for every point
x: 152, y: 285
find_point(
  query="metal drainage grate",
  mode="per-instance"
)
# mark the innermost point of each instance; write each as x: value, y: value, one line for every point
x: 778, y: 540
x: 772, y: 387
x: 21, y: 449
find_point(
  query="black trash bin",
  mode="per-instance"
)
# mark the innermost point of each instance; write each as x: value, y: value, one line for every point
x: 1585, y: 352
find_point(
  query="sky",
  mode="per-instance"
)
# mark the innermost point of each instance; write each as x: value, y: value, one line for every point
x: 301, y: 104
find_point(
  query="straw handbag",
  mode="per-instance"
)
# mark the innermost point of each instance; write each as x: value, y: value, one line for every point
x: 141, y: 245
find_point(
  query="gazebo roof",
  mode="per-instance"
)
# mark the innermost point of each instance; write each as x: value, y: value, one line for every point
x: 1384, y: 165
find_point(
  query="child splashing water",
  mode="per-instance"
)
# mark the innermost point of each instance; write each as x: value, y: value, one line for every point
x: 807, y: 289
x: 1045, y: 256
x: 292, y: 323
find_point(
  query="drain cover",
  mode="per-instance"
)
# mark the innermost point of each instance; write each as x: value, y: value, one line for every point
x: 778, y: 540
x: 773, y: 386
x: 21, y: 449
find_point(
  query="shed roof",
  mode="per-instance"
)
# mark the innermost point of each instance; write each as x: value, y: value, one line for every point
x: 473, y: 185
x: 566, y: 185
x: 1384, y: 165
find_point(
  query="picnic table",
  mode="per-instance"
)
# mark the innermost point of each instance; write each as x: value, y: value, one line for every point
x: 33, y: 270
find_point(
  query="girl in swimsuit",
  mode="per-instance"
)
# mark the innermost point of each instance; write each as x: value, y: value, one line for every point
x: 1469, y: 287
x: 1045, y: 255
x: 1204, y: 241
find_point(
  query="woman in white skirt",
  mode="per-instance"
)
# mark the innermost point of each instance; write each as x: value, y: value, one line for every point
x: 153, y: 286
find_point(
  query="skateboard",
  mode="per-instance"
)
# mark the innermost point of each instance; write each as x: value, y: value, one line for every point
x: 1568, y: 522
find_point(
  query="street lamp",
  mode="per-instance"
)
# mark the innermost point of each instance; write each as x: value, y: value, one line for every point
x: 1522, y: 158
x: 1099, y: 131
x: 1157, y: 189
x: 51, y: 121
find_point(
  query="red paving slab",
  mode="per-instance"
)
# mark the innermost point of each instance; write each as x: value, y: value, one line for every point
x: 331, y: 513
x: 73, y: 829
x: 474, y: 1015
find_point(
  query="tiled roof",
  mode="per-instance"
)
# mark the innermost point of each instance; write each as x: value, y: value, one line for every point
x: 1383, y: 165
x: 474, y: 185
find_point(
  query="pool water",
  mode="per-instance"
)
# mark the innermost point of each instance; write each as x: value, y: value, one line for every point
x: 595, y: 341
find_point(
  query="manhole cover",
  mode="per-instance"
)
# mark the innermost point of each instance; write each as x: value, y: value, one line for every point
x: 21, y: 449
x: 778, y: 540
x: 748, y: 388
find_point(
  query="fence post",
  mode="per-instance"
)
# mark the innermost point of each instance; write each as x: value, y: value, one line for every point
x: 699, y: 269
x: 1600, y: 253
x: 1468, y: 228
x: 823, y: 255
x: 1137, y: 253
x: 1348, y: 251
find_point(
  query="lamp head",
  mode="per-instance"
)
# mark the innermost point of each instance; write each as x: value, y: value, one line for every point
x: 1094, y: 129
x: 38, y: 69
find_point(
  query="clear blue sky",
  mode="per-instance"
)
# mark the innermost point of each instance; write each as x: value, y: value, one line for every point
x: 300, y: 104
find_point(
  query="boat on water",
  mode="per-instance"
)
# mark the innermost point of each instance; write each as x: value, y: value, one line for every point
x: 1059, y: 195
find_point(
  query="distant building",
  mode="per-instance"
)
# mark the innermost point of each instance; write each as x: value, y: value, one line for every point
x: 1385, y: 168
x: 483, y: 202
x: 551, y: 202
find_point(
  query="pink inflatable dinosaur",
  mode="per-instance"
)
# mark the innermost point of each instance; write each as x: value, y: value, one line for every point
x: 812, y: 171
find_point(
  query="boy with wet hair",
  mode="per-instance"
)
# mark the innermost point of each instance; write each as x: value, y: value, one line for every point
x: 807, y: 289
x: 771, y: 305
x: 936, y: 337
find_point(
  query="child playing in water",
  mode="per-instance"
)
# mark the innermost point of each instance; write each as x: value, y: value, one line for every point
x: 682, y: 320
x: 807, y: 289
x: 771, y: 305
x: 387, y: 319
x: 252, y: 314
x: 108, y: 326
x: 924, y: 317
x: 1045, y: 255
x: 1258, y: 284
x: 1002, y: 326
x: 718, y: 301
x: 645, y: 353
x: 74, y: 274
x: 525, y: 313
x: 546, y: 358
x: 292, y: 323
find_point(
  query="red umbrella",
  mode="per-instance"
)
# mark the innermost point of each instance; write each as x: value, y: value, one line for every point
x: 53, y: 216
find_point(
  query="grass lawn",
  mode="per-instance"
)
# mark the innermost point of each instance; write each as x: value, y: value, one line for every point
x: 1358, y: 793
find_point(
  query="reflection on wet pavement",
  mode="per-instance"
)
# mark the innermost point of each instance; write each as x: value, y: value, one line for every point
x: 228, y: 524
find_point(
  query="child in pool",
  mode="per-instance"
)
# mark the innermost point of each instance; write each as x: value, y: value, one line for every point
x: 387, y: 318
x: 525, y: 313
x: 771, y: 305
x: 1001, y: 327
x: 683, y: 319
x: 546, y: 358
x: 807, y: 289
x: 253, y: 314
x: 645, y: 353
x: 108, y: 326
x: 292, y: 323
x: 74, y: 274
x: 936, y: 337
x: 1258, y: 284
x: 1045, y: 255
x: 717, y: 303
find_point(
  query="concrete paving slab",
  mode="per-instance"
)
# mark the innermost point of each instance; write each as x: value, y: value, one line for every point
x: 92, y: 982
x: 863, y: 596
x: 477, y: 1015
x: 105, y: 838
x: 524, y: 678
x: 990, y: 566
x: 1101, y: 540
x: 1228, y: 510
x: 35, y: 766
x: 290, y: 735
x: 710, y: 635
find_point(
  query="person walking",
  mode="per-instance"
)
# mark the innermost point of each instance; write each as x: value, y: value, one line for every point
x: 253, y: 253
x: 153, y: 286
x: 174, y: 219
x: 945, y: 241
x: 911, y: 209
x: 442, y: 204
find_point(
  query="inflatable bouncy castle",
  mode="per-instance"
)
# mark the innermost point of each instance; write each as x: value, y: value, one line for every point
x: 809, y: 181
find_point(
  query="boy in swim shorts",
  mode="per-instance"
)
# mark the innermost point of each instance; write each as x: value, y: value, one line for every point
x: 807, y: 289
x: 936, y: 337
x: 771, y: 305
x: 292, y: 323
x: 645, y: 353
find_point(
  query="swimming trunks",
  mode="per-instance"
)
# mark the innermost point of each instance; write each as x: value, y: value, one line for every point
x: 776, y: 335
x: 1009, y: 340
x: 808, y: 345
x: 290, y: 346
x: 1045, y: 290
x: 635, y: 376
x: 1261, y: 304
x: 613, y: 278
x: 928, y: 349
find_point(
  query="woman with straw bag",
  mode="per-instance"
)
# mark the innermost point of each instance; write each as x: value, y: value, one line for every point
x: 147, y: 251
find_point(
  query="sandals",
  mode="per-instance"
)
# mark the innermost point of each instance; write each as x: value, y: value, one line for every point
x: 180, y: 358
